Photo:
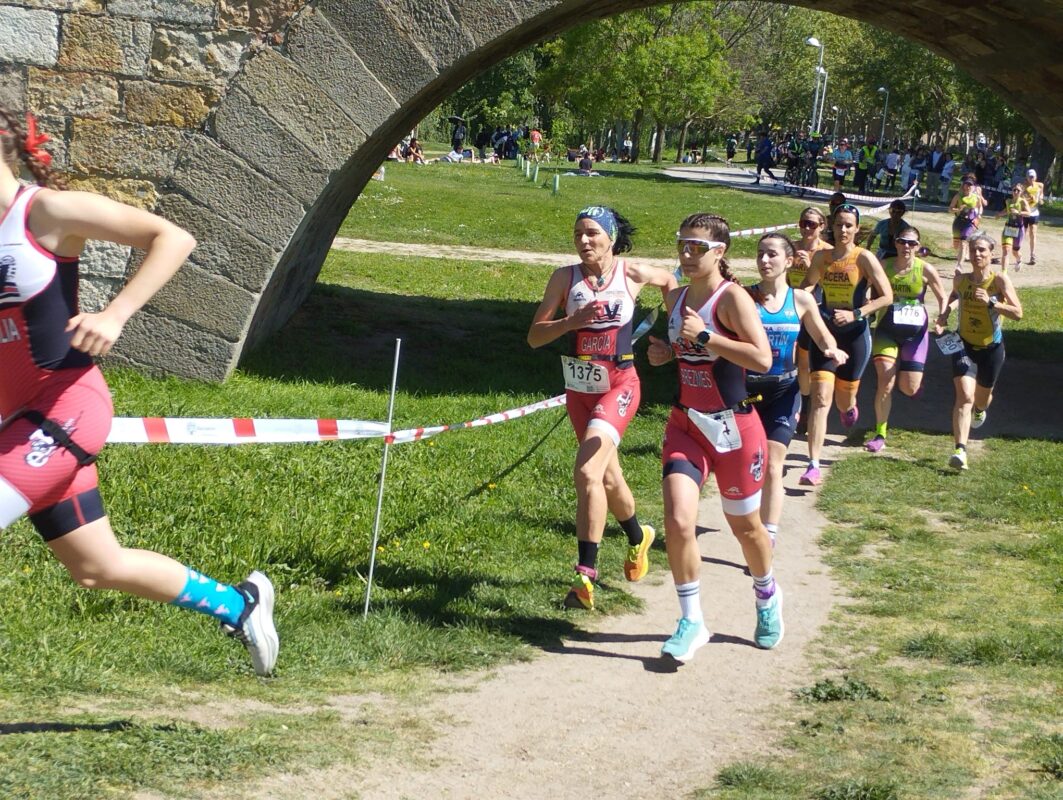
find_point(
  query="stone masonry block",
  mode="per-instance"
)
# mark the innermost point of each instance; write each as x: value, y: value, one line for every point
x: 250, y: 132
x: 141, y: 194
x: 77, y: 6
x: 300, y: 106
x: 316, y: 47
x: 388, y: 53
x: 28, y: 36
x: 226, y: 315
x: 162, y: 345
x: 178, y: 12
x: 104, y: 260
x: 485, y: 20
x: 197, y: 57
x: 228, y: 185
x: 95, y: 293
x: 103, y: 44
x: 440, y: 35
x: 181, y: 106
x: 258, y: 15
x: 79, y: 94
x: 132, y: 151
x: 13, y: 88
x: 223, y: 247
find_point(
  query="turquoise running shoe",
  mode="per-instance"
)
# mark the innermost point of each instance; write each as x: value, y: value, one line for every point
x: 688, y: 637
x: 769, y: 622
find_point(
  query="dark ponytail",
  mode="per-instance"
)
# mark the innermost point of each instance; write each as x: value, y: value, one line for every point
x: 14, y: 150
x: 719, y: 231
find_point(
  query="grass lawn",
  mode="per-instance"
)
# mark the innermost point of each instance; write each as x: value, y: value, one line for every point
x: 954, y: 619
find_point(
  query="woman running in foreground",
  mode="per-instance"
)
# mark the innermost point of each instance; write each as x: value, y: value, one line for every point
x: 715, y: 334
x: 983, y: 297
x: 55, y: 404
x: 597, y: 298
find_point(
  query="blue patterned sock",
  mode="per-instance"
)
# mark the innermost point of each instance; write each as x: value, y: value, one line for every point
x: 207, y: 596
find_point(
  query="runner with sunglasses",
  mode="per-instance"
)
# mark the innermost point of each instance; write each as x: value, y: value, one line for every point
x: 900, y: 343
x: 597, y: 300
x: 715, y: 334
x: 812, y: 224
x: 983, y: 297
x: 845, y: 273
x: 786, y: 313
x: 1017, y: 210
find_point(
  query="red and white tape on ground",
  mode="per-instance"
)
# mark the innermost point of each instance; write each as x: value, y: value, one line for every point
x: 758, y: 231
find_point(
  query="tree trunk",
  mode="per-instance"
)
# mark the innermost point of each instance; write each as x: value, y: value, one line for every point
x: 705, y: 144
x: 682, y: 142
x: 658, y: 143
x: 1042, y: 154
x: 636, y: 134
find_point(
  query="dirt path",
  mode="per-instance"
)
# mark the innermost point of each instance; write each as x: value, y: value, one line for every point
x: 603, y: 715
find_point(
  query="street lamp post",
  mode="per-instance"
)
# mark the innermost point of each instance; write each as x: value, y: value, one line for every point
x: 885, y: 107
x: 834, y: 128
x: 822, y: 100
x: 812, y: 41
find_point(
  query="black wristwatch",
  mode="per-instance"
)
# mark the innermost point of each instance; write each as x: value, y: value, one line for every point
x: 857, y: 315
x: 703, y: 337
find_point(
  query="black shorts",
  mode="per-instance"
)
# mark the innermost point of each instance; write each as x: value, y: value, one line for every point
x: 981, y: 363
x: 778, y: 409
x: 854, y: 340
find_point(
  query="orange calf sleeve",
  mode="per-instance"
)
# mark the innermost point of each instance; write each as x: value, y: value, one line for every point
x: 845, y: 393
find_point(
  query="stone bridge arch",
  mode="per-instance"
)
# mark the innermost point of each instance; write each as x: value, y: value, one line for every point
x: 256, y: 123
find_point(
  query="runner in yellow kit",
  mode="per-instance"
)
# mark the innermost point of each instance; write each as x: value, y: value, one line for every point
x: 982, y: 297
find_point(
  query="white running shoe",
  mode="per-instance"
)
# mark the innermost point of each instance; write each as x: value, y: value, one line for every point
x: 978, y: 418
x: 255, y: 628
x: 958, y: 460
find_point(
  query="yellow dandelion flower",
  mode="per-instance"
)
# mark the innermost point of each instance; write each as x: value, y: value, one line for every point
x: 426, y: 544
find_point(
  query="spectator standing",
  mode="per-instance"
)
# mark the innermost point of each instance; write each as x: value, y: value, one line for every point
x: 935, y: 164
x: 865, y: 162
x: 457, y: 136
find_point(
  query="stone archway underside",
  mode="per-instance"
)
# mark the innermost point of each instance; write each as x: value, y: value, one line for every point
x: 256, y: 123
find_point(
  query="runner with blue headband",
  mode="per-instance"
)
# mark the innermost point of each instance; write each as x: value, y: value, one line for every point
x: 596, y: 301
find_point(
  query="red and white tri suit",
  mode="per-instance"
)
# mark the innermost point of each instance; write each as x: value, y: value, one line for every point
x: 43, y: 374
x: 604, y: 349
x: 709, y: 429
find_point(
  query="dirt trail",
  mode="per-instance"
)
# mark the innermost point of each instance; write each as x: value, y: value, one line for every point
x: 603, y: 715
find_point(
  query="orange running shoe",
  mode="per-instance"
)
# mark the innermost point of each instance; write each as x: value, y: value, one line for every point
x: 637, y: 562
x: 581, y: 595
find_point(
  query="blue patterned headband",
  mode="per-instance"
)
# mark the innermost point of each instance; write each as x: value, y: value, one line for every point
x: 604, y: 217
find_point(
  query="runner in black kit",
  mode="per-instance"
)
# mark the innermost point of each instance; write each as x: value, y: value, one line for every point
x: 55, y: 404
x: 597, y: 299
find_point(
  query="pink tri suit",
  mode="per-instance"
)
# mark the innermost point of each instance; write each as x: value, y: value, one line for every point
x: 603, y: 348
x: 55, y: 407
x: 710, y: 428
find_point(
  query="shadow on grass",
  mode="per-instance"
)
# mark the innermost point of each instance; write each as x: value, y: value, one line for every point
x: 7, y: 728
x: 343, y: 335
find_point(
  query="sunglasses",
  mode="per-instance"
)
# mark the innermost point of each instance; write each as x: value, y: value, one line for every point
x: 907, y: 242
x: 696, y: 247
x: 809, y: 223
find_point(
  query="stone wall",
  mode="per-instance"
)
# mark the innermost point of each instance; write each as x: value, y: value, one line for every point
x: 256, y: 123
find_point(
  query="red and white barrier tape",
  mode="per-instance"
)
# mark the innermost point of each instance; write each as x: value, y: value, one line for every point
x: 231, y: 431
x: 213, y: 430
x: 757, y: 231
x: 416, y: 434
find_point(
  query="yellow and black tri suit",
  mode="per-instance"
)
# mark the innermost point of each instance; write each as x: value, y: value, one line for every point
x: 844, y: 288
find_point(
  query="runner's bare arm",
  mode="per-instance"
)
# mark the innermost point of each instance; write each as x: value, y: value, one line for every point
x: 946, y: 310
x: 815, y: 269
x: 652, y: 276
x: 933, y: 282
x: 871, y: 269
x: 660, y: 352
x: 63, y: 221
x: 544, y: 328
x: 739, y: 313
x: 1008, y: 304
x: 808, y: 311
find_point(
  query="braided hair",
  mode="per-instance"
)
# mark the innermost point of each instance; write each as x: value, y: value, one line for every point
x: 14, y: 151
x: 719, y: 231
